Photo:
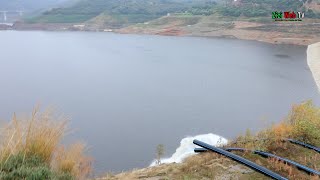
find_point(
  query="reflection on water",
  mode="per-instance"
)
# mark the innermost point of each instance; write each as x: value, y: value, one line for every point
x: 282, y: 56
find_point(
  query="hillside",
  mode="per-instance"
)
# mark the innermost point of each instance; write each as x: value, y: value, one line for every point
x: 302, y: 123
x: 242, y: 19
x: 135, y: 11
x: 132, y: 11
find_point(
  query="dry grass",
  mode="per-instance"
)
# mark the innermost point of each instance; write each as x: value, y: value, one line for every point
x: 40, y: 135
x: 302, y: 123
x: 73, y: 160
x: 305, y: 122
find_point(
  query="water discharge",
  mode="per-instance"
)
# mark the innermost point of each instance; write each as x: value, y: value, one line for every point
x: 186, y: 147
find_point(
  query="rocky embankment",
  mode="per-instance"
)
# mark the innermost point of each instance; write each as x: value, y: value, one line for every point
x: 204, y: 166
x: 5, y: 27
x: 314, y: 61
x: 297, y: 33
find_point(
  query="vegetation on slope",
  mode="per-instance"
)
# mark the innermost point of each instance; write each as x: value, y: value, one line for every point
x: 137, y: 11
x: 302, y: 123
x: 30, y: 148
x: 256, y: 8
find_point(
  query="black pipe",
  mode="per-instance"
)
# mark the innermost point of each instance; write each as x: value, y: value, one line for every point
x: 288, y: 161
x: 309, y: 146
x: 304, y: 145
x: 199, y: 150
x: 242, y: 160
x: 265, y: 154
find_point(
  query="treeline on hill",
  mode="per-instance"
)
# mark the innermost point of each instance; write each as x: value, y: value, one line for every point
x: 137, y: 11
x: 143, y: 10
x: 256, y: 8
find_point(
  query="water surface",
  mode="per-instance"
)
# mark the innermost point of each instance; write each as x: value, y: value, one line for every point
x: 128, y: 93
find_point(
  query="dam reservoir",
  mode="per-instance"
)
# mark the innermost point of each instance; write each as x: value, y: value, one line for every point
x: 126, y: 94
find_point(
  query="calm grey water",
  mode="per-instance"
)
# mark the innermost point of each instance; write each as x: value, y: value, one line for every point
x: 128, y: 93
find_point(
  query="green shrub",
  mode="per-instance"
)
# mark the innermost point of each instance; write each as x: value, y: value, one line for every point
x: 30, y: 148
x: 305, y: 122
x: 32, y: 168
x: 302, y: 123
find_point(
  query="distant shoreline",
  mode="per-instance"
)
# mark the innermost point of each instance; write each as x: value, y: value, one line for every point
x: 241, y: 30
x: 313, y: 58
x: 295, y: 43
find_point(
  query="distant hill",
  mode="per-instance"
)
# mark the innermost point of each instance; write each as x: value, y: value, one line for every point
x: 29, y: 5
x: 131, y: 10
x: 255, y: 8
x: 29, y: 8
x: 119, y: 13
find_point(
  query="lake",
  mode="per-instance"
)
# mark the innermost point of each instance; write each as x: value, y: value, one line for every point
x: 128, y: 93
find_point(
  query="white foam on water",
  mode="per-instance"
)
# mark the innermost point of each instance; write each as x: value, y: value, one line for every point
x: 186, y: 147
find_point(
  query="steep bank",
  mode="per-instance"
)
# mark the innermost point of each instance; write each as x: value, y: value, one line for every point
x: 262, y: 29
x: 265, y: 30
x: 314, y: 61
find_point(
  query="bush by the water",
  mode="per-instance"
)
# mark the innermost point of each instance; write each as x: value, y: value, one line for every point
x: 30, y: 148
x: 302, y: 123
x: 31, y: 167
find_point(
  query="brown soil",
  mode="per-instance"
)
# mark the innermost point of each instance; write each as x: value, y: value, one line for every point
x: 205, y: 166
x: 171, y: 32
x: 297, y: 33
